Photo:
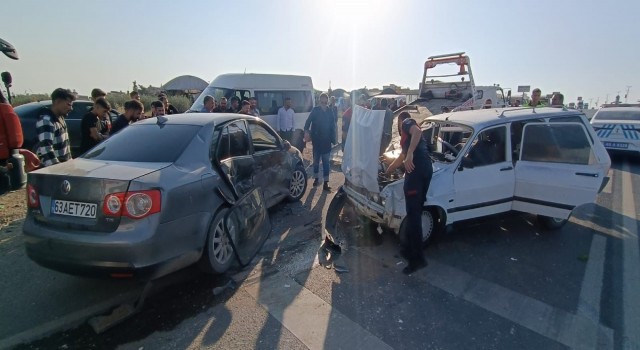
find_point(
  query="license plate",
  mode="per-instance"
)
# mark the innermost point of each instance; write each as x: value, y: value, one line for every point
x: 616, y: 144
x: 78, y: 209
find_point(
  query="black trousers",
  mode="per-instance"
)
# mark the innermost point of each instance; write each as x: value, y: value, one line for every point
x: 416, y: 185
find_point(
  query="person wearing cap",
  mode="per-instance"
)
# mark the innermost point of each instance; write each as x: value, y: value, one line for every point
x: 168, y: 107
x: 418, y: 173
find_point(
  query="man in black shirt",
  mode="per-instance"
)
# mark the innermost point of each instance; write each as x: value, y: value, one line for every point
x: 132, y: 111
x: 320, y: 128
x: 168, y: 107
x: 418, y: 172
x: 91, y: 126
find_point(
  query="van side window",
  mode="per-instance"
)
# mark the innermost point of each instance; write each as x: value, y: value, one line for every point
x: 234, y: 141
x: 270, y: 101
x: 557, y: 143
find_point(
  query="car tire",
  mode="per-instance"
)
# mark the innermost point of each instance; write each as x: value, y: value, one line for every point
x: 297, y: 184
x: 550, y: 223
x: 429, y: 226
x: 218, y: 253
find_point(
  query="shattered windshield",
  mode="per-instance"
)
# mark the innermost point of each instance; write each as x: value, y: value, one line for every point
x: 445, y: 140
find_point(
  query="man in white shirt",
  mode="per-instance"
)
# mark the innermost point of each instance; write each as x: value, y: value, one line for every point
x: 285, y: 120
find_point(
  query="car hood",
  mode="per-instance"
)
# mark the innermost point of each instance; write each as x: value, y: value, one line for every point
x: 102, y: 169
x: 360, y: 161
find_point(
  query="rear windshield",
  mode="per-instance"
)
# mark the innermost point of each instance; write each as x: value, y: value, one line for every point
x: 145, y: 143
x: 617, y: 115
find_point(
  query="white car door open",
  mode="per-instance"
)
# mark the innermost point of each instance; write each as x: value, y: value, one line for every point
x: 557, y: 170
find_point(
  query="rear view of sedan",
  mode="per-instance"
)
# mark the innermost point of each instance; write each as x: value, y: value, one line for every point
x: 618, y: 128
x: 161, y: 195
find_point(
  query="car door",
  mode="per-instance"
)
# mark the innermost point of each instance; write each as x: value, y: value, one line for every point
x: 271, y: 166
x: 557, y: 170
x: 234, y: 156
x: 484, y: 180
x: 247, y: 225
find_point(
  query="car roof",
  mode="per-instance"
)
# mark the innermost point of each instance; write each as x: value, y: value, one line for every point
x: 636, y: 109
x: 200, y: 119
x: 479, y: 119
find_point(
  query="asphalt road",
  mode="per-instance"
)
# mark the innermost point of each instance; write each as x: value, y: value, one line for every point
x: 496, y: 283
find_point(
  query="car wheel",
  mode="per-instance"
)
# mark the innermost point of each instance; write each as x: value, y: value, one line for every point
x: 298, y: 183
x: 550, y: 223
x: 219, y: 254
x: 428, y: 227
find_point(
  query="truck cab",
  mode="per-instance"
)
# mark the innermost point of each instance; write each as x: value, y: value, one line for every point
x: 493, y: 93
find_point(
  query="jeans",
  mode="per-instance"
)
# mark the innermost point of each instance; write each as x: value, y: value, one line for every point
x: 317, y: 156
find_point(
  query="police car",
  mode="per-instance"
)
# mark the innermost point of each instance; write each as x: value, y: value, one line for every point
x: 618, y: 128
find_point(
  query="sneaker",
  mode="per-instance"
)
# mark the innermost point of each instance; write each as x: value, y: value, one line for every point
x: 315, y: 182
x: 326, y: 186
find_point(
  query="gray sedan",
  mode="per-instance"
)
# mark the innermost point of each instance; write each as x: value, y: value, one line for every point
x: 162, y: 194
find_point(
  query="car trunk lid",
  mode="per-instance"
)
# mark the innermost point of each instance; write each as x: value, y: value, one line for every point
x: 71, y: 195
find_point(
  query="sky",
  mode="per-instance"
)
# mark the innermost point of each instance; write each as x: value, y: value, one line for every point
x: 581, y: 48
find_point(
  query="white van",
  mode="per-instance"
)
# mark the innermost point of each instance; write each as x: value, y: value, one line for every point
x: 270, y: 90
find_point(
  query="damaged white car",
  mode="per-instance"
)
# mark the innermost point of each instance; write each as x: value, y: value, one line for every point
x: 544, y: 161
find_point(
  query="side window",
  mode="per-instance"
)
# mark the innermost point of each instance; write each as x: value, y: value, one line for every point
x: 234, y: 141
x: 556, y: 143
x: 270, y: 101
x: 262, y: 138
x: 489, y: 147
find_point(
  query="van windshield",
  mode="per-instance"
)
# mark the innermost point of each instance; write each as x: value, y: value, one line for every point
x: 218, y: 93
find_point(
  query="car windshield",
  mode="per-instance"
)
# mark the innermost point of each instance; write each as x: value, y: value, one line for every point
x: 218, y: 93
x: 445, y: 140
x: 628, y: 115
x: 148, y: 143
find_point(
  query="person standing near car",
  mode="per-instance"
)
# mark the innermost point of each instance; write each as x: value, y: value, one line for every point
x: 209, y: 104
x: 157, y: 108
x: 222, y: 106
x: 132, y: 111
x: 53, y: 138
x: 320, y: 128
x: 535, y: 98
x: 105, y: 119
x: 255, y: 111
x: 246, y: 108
x: 418, y: 172
x: 168, y: 107
x: 285, y: 120
x: 91, y: 126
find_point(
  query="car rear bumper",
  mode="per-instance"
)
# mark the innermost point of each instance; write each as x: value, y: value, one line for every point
x: 145, y: 250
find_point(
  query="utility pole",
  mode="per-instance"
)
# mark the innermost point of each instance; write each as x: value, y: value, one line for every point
x: 627, y: 94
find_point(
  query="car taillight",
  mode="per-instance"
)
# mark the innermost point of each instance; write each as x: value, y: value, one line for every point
x: 136, y: 204
x: 33, y: 200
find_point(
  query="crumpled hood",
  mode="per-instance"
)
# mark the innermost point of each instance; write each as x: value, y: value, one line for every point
x: 360, y: 160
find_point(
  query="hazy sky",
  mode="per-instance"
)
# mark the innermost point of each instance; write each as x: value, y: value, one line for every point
x: 579, y: 47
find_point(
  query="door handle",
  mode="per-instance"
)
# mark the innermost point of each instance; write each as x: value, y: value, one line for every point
x: 507, y: 168
x: 588, y: 174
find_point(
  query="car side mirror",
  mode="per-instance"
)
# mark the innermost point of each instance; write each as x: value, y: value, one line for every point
x: 466, y: 163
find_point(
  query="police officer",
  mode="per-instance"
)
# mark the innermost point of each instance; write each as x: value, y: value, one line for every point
x: 418, y: 171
